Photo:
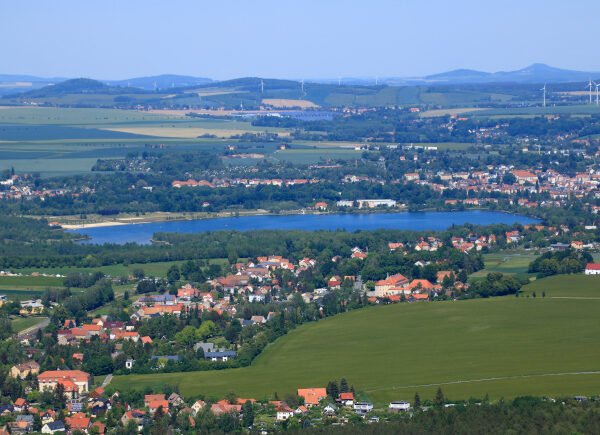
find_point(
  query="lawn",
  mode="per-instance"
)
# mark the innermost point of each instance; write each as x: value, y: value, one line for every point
x: 390, y: 352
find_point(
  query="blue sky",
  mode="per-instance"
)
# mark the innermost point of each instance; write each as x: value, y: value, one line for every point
x: 293, y: 39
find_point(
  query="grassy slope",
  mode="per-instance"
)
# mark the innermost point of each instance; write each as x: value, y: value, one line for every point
x: 390, y: 352
x: 565, y: 286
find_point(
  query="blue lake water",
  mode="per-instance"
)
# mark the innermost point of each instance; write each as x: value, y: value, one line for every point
x: 142, y: 233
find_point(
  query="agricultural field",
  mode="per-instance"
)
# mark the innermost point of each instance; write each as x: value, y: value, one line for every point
x: 582, y: 109
x: 30, y: 282
x: 504, y: 347
x: 315, y: 155
x: 73, y: 139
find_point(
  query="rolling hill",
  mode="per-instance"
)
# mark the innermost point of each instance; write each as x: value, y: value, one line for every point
x: 505, y: 347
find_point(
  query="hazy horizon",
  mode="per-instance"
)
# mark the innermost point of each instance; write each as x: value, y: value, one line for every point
x: 113, y: 40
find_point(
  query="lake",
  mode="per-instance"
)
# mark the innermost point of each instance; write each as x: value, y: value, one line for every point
x: 142, y: 233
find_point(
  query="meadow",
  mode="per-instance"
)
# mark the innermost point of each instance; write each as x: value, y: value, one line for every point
x: 507, y: 262
x: 504, y: 347
x: 565, y: 286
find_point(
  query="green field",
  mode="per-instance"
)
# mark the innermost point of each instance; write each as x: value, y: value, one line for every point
x: 507, y: 262
x: 565, y: 286
x: 21, y: 323
x: 315, y: 155
x: 502, y: 346
x: 158, y: 269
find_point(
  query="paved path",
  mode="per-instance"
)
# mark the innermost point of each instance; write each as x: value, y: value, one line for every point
x: 500, y: 378
x: 107, y: 380
x: 34, y: 328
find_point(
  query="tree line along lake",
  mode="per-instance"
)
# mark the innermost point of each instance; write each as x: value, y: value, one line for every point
x: 142, y: 233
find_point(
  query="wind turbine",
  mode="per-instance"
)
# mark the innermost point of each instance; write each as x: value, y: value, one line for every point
x: 262, y: 86
x: 597, y: 84
x: 544, y: 89
x: 339, y: 81
x: 589, y: 85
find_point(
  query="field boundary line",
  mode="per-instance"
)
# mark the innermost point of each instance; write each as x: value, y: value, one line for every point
x: 499, y: 378
x: 573, y: 297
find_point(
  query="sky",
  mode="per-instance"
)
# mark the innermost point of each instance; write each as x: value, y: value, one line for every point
x: 223, y: 39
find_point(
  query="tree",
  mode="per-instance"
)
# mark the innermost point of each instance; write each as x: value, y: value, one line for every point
x: 138, y: 273
x: 207, y: 329
x: 173, y: 274
x: 231, y: 397
x: 248, y: 414
x: 417, y: 403
x: 333, y: 390
x: 439, y: 400
x: 343, y: 386
x: 59, y: 399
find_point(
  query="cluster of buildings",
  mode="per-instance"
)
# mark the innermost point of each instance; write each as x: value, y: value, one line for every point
x: 247, y: 182
x: 85, y: 407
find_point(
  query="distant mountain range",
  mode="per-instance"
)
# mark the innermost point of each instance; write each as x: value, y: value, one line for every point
x: 536, y: 73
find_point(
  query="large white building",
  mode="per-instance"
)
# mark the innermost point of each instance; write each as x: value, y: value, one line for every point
x: 48, y: 380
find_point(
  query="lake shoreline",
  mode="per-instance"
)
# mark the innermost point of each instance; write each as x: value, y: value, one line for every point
x: 161, y: 217
x: 309, y: 221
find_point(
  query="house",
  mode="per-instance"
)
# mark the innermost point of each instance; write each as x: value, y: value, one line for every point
x: 346, y: 399
x: 198, y: 406
x: 284, y: 412
x: 80, y: 423
x: 20, y: 404
x: 301, y: 410
x: 592, y: 269
x: 23, y: 424
x: 155, y: 404
x: 53, y: 426
x: 220, y: 408
x: 334, y: 282
x: 129, y: 363
x: 135, y: 414
x: 49, y: 379
x: 152, y: 398
x: 363, y: 408
x: 22, y: 370
x: 220, y: 355
x: 321, y: 206
x: 382, y: 287
x: 175, y: 400
x: 329, y: 409
x: 399, y: 406
x: 312, y: 396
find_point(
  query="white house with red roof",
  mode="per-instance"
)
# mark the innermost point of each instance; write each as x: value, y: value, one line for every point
x: 592, y: 269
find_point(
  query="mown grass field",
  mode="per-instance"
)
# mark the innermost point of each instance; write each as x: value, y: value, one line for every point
x: 21, y: 323
x: 507, y: 262
x: 158, y: 269
x: 501, y: 346
x: 565, y: 286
